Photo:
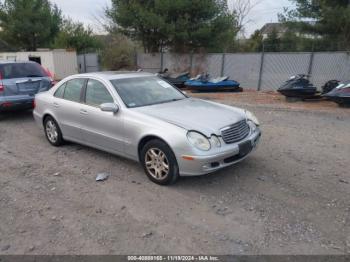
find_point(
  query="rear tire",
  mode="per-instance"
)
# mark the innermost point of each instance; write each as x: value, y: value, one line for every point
x: 159, y: 162
x: 53, y: 132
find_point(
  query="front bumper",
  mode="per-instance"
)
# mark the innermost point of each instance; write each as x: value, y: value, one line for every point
x: 205, y: 164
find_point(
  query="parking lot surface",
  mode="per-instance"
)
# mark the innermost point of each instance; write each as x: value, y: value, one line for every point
x: 291, y: 196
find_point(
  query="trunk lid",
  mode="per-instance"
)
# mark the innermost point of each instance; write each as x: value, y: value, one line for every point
x: 25, y: 86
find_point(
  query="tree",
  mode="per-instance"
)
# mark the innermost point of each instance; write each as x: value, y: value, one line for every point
x: 328, y: 21
x: 29, y: 24
x: 289, y: 42
x: 255, y: 42
x: 272, y: 42
x: 241, y: 9
x: 182, y: 25
x: 75, y: 35
x: 118, y: 52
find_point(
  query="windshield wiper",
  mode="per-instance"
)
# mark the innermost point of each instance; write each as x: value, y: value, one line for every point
x: 168, y: 101
x: 162, y: 102
x: 34, y: 76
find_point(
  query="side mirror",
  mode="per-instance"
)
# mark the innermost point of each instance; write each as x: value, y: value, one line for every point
x: 109, y: 107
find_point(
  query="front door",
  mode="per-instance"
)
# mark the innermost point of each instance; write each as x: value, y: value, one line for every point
x: 101, y: 129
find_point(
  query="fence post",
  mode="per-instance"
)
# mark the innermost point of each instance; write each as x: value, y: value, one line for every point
x: 191, y: 62
x: 136, y: 64
x: 223, y: 64
x: 84, y: 55
x: 261, y: 68
x: 309, y: 71
x: 161, y: 61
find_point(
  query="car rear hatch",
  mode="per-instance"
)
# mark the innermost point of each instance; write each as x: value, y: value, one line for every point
x: 23, y: 79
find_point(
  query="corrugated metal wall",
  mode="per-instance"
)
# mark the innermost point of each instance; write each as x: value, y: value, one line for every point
x: 279, y: 67
x: 328, y: 66
x: 88, y: 63
x: 244, y: 68
x: 272, y: 69
x: 152, y: 61
x: 65, y: 63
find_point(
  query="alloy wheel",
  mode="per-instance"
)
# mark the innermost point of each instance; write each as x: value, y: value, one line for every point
x: 157, y: 163
x: 51, y: 131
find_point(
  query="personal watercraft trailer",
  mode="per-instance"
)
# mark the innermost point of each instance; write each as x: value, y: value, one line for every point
x: 177, y: 79
x: 203, y: 83
x: 298, y: 86
x: 340, y: 94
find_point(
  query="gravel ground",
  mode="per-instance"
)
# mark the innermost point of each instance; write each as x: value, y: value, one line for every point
x: 291, y: 196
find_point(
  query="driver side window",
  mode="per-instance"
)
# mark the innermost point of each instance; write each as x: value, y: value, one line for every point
x: 97, y: 93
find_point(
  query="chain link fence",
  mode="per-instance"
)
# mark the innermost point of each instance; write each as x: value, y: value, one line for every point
x: 260, y: 71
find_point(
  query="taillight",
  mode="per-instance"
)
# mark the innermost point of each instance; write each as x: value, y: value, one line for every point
x: 53, y: 82
x: 34, y: 104
x: 2, y: 87
x: 48, y: 72
x: 50, y: 75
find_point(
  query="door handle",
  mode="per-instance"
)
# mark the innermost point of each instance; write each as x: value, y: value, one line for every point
x: 56, y: 105
x: 83, y: 112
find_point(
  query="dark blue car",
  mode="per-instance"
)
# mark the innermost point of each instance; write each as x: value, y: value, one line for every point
x: 19, y: 82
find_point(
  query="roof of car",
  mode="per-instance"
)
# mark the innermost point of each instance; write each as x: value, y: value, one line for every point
x: 110, y: 75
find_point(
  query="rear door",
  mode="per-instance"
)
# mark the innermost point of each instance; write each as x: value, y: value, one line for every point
x: 23, y: 79
x: 66, y: 106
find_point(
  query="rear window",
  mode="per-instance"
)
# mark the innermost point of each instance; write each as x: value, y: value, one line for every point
x: 20, y: 70
x: 60, y: 91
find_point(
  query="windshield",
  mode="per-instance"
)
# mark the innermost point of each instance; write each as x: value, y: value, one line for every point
x: 144, y: 91
x: 19, y: 70
x: 343, y: 85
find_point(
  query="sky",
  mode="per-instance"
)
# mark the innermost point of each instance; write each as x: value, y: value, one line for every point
x: 265, y: 11
x: 86, y: 11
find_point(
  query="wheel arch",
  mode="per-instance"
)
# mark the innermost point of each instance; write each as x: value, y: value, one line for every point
x: 145, y: 140
x: 45, y: 116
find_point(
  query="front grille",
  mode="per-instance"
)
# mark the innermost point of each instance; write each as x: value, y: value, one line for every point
x: 235, y: 132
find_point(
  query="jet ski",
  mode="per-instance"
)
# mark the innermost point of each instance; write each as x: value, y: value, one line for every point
x: 340, y: 94
x: 204, y: 83
x: 329, y: 86
x: 177, y: 79
x: 298, y: 86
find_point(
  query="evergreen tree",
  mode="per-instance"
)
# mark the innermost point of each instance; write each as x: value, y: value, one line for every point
x: 29, y: 24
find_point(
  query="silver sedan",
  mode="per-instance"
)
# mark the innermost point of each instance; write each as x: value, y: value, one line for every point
x: 144, y: 118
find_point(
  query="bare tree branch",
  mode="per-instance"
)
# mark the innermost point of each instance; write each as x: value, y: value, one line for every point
x: 242, y: 9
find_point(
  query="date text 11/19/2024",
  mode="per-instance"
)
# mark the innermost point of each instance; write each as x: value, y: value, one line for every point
x: 173, y: 258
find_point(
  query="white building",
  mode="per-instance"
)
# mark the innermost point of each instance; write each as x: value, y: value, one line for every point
x: 60, y: 62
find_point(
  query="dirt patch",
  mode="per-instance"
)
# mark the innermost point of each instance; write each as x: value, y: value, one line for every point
x: 291, y: 196
x: 271, y: 99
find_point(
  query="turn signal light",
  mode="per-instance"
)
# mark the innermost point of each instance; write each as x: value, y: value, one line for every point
x: 188, y: 158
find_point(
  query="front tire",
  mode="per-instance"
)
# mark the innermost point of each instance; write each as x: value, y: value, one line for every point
x: 159, y: 162
x: 53, y: 132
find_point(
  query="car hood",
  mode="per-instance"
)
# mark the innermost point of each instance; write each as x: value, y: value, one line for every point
x: 195, y: 114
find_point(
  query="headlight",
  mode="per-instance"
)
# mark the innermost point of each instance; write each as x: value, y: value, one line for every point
x: 198, y: 140
x: 252, y: 118
x: 252, y: 125
x: 214, y: 141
